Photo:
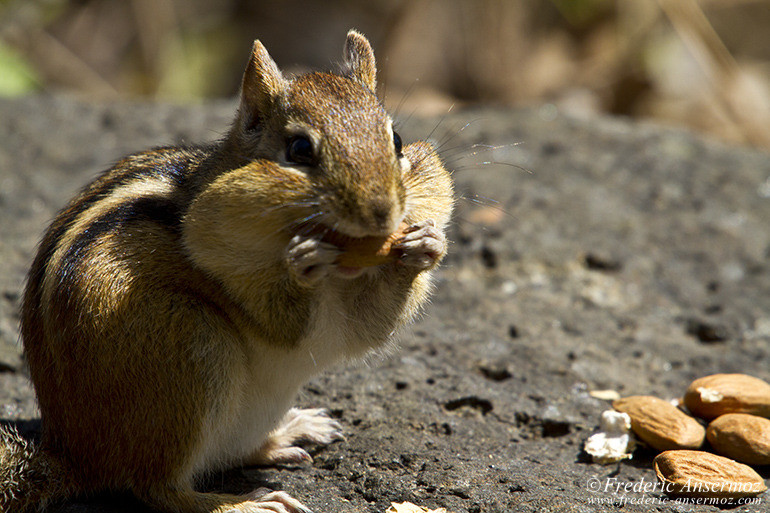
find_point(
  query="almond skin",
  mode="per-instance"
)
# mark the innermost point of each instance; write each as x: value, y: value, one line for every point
x: 742, y: 437
x: 660, y: 424
x: 366, y: 251
x: 702, y: 474
x: 711, y: 396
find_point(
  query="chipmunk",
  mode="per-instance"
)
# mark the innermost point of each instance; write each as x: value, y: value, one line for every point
x: 179, y: 302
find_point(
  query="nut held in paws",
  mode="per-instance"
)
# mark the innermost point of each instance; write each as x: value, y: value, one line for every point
x: 368, y: 251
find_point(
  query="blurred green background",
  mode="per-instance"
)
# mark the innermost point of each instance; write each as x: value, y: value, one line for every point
x: 703, y: 64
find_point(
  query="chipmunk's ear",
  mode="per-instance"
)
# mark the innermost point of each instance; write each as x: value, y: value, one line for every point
x: 262, y: 86
x: 359, y: 60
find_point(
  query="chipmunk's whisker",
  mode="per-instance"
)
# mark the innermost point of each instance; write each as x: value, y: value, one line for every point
x: 440, y: 122
x: 406, y: 95
x: 486, y: 202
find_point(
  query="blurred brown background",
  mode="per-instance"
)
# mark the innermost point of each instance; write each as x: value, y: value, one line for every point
x: 704, y: 64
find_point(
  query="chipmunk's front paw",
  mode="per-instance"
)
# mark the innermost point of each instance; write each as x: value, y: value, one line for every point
x: 422, y: 246
x: 310, y: 425
x: 309, y: 259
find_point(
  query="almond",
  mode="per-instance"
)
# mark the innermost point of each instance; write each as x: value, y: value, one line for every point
x: 711, y: 396
x: 702, y: 474
x: 660, y: 424
x: 742, y: 437
x: 364, y: 251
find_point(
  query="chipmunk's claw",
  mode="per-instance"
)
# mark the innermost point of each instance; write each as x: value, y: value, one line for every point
x: 422, y: 246
x: 310, y: 259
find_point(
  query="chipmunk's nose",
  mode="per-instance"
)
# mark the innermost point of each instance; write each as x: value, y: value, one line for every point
x: 381, y: 213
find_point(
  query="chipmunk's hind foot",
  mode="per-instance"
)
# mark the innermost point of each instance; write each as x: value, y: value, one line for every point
x: 190, y: 501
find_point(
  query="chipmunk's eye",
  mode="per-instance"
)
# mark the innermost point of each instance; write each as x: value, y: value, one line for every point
x: 397, y: 143
x: 300, y: 150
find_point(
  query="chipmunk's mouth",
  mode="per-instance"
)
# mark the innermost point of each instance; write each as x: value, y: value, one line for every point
x: 350, y: 272
x: 359, y: 253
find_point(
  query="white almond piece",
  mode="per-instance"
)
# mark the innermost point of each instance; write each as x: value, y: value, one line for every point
x: 614, y: 442
x: 709, y: 395
x: 606, y: 395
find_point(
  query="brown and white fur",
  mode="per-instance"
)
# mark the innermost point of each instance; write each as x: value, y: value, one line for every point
x: 178, y: 303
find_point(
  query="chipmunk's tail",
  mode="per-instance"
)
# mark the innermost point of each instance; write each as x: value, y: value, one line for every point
x: 29, y: 479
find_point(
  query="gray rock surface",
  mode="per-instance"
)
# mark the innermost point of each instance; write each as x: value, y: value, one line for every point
x: 596, y: 254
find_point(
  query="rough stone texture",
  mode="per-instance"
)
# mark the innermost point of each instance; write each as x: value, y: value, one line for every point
x: 598, y: 254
